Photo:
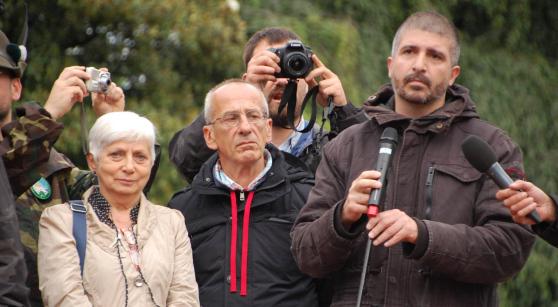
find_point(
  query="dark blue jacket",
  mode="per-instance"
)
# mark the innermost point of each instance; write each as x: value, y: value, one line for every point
x: 273, y: 278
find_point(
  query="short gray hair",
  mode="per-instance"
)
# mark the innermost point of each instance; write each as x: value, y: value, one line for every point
x: 120, y: 126
x: 208, y: 104
x: 430, y: 22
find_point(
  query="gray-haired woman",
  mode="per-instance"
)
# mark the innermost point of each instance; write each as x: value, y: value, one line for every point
x: 137, y: 253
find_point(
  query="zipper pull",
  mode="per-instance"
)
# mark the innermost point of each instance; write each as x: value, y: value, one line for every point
x: 241, y: 195
x: 430, y: 176
x: 429, y: 182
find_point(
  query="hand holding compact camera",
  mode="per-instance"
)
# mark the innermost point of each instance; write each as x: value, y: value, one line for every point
x: 106, y: 95
x: 99, y: 81
x: 295, y: 60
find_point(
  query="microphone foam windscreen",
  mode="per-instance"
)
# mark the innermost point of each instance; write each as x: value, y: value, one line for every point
x: 478, y: 153
x: 390, y: 135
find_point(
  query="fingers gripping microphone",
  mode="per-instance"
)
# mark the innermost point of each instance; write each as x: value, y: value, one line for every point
x: 483, y: 158
x: 388, y: 142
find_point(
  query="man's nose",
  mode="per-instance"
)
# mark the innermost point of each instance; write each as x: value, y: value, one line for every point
x: 420, y: 62
x: 244, y: 126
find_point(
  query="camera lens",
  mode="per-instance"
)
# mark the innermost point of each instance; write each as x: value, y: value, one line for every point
x: 104, y: 81
x: 297, y: 64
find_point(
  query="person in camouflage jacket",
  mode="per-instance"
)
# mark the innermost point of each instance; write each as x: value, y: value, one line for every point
x: 39, y: 175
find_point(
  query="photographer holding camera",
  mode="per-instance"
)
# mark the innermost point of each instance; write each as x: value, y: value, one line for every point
x: 263, y: 56
x: 187, y: 149
x: 39, y: 175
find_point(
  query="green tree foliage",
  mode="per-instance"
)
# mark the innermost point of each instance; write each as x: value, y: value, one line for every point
x: 164, y: 54
x: 167, y: 54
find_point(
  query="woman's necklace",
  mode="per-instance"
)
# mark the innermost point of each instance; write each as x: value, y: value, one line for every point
x: 130, y: 238
x: 127, y: 234
x: 134, y: 253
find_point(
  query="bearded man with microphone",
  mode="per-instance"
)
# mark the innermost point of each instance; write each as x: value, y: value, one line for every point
x: 440, y: 238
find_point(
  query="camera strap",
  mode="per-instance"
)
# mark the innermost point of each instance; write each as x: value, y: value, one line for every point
x: 289, y: 100
x: 83, y: 128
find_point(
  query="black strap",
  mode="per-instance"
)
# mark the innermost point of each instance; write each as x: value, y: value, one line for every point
x: 79, y: 229
x: 83, y: 129
x: 312, y: 93
x: 326, y: 114
x: 289, y: 100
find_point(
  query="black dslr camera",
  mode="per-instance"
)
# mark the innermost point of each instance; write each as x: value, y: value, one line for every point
x: 295, y: 60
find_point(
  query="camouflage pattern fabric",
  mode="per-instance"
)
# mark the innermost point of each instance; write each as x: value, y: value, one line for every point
x: 26, y: 145
x: 27, y: 150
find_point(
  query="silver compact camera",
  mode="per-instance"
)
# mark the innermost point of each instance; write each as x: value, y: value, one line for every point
x: 99, y: 82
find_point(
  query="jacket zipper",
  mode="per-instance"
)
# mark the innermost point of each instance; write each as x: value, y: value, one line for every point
x: 429, y: 181
x: 241, y: 195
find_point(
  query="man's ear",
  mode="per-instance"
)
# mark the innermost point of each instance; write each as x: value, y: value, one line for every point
x: 16, y: 89
x: 244, y: 76
x: 91, y: 162
x: 209, y: 136
x: 388, y: 62
x: 455, y: 71
x: 269, y: 129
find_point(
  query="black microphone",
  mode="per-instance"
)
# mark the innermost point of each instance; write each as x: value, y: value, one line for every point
x: 388, y: 142
x: 483, y: 158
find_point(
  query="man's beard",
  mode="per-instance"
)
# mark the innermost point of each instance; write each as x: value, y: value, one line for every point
x: 436, y: 92
x: 280, y: 119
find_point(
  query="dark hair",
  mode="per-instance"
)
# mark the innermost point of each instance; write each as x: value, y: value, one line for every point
x: 430, y: 22
x: 272, y: 35
x: 8, y: 72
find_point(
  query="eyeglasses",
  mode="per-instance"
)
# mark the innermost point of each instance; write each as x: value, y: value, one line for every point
x: 232, y: 119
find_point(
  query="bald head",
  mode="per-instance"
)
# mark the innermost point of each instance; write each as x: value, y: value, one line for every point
x: 220, y: 88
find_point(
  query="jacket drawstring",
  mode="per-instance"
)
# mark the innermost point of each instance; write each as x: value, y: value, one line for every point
x: 233, y: 242
x: 234, y: 235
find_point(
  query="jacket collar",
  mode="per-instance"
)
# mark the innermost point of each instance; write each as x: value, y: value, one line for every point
x: 221, y: 177
x: 105, y: 237
x: 205, y: 180
x: 273, y: 187
x: 380, y: 107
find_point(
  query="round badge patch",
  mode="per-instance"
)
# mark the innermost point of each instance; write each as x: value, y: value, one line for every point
x: 41, y: 189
